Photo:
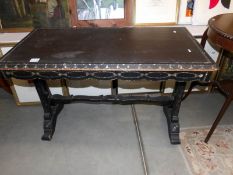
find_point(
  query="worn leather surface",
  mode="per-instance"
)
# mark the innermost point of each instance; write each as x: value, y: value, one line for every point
x: 168, y: 45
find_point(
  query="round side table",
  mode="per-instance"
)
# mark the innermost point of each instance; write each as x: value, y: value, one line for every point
x: 220, y: 33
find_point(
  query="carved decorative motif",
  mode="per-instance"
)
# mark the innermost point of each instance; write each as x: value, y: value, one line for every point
x: 105, y: 75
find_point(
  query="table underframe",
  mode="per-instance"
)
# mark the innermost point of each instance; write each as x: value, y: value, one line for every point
x: 53, y: 104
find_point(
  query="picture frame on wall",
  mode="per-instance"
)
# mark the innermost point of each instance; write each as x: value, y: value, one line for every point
x: 156, y: 12
x: 24, y: 15
x: 101, y: 13
x: 100, y: 9
x: 186, y: 11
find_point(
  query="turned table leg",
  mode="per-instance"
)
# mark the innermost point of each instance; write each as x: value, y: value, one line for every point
x: 218, y: 119
x: 225, y: 86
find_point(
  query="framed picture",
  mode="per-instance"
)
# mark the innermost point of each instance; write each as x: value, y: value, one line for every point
x: 156, y: 12
x: 100, y: 9
x: 18, y: 15
x: 101, y: 13
x: 186, y: 11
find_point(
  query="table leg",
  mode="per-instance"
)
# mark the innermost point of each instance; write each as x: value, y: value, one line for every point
x: 218, y: 119
x: 51, y: 110
x: 171, y: 111
x: 226, y: 87
x: 114, y: 88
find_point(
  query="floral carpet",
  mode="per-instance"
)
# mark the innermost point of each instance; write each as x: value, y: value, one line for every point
x: 214, y: 158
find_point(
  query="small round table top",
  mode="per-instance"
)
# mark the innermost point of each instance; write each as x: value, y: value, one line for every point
x: 220, y: 31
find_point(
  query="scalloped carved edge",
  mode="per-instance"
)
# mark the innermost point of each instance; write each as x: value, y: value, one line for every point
x: 107, y: 75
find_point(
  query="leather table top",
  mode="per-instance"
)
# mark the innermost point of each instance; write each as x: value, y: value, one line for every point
x: 136, y: 48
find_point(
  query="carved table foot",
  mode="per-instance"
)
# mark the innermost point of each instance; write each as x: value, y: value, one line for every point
x: 47, y: 136
x: 50, y: 120
x: 173, y: 126
x: 51, y: 109
x: 171, y: 112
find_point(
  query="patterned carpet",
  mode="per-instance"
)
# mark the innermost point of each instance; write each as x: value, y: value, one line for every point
x: 214, y: 158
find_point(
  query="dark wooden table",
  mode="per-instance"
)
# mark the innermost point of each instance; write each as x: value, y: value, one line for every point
x: 155, y: 54
x: 220, y: 33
